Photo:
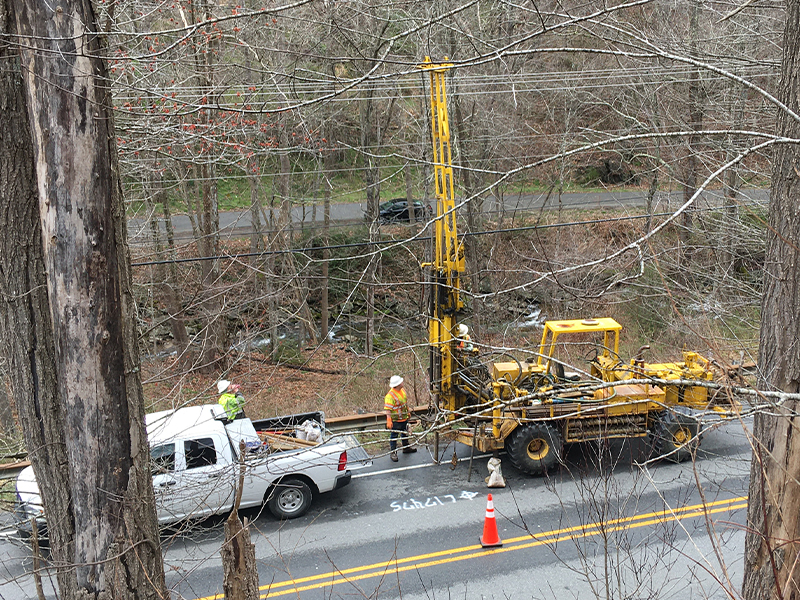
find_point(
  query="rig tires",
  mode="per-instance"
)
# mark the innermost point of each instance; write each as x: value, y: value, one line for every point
x: 676, y: 436
x: 535, y: 448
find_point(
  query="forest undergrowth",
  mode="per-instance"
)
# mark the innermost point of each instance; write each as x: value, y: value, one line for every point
x: 526, y: 276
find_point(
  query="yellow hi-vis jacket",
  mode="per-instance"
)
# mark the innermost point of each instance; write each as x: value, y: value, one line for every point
x: 232, y: 403
x: 395, y: 402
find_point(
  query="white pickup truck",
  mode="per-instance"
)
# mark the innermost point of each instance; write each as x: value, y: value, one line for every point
x: 195, y: 461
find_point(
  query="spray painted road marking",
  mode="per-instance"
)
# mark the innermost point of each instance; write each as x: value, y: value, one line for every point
x: 442, y: 557
x: 432, y: 502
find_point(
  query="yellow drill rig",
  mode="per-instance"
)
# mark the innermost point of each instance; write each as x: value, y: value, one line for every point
x: 531, y: 408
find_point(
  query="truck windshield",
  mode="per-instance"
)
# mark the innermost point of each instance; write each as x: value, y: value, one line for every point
x: 162, y: 459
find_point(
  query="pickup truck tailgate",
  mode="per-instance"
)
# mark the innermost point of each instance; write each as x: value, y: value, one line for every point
x: 357, y: 457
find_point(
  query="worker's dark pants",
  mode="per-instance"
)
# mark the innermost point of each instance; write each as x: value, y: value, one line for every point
x: 399, y: 428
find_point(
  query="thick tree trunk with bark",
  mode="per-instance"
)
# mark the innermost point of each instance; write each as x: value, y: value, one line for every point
x: 8, y: 424
x: 116, y: 552
x: 25, y: 327
x: 773, y: 534
x: 214, y: 327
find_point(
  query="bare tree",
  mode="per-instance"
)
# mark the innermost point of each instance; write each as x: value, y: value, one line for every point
x: 773, y: 515
x: 25, y: 326
x: 109, y: 525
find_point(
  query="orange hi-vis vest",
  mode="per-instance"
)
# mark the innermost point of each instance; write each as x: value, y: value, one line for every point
x: 395, y: 402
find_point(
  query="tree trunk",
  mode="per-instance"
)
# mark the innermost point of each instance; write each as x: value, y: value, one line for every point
x: 165, y: 283
x: 25, y: 326
x: 289, y: 266
x: 270, y: 289
x: 773, y: 513
x: 257, y: 236
x: 284, y: 189
x: 412, y: 214
x: 472, y: 241
x: 214, y: 326
x: 371, y: 278
x: 372, y: 182
x: 172, y: 297
x: 282, y: 238
x: 326, y: 251
x: 652, y: 190
x: 257, y: 242
x: 8, y: 425
x: 116, y: 552
x: 691, y: 165
x: 731, y: 183
x: 239, y: 567
x: 307, y: 333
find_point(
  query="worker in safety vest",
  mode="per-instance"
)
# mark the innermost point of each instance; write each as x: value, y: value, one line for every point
x: 462, y: 338
x: 231, y: 399
x: 395, y: 405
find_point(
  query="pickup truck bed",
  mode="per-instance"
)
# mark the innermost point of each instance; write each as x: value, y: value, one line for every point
x: 280, y: 434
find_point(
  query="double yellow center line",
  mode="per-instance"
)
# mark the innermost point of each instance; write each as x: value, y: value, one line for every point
x: 443, y: 557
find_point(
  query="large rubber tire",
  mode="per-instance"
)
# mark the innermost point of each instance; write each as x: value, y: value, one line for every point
x: 535, y: 448
x: 676, y: 436
x: 290, y: 499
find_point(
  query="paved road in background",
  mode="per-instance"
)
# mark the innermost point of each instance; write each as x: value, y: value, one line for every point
x: 234, y: 223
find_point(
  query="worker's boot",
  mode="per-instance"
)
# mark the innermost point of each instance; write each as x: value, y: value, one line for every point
x: 406, y: 448
x: 393, y: 456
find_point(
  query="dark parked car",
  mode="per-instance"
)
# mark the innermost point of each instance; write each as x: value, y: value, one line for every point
x: 397, y: 210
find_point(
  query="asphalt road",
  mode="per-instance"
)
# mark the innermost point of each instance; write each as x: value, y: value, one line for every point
x: 236, y: 222
x: 411, y: 529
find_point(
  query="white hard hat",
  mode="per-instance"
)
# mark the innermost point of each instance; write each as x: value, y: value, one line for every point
x: 222, y: 385
x: 463, y: 329
x: 395, y: 381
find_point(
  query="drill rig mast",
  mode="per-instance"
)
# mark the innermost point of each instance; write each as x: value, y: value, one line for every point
x: 448, y: 252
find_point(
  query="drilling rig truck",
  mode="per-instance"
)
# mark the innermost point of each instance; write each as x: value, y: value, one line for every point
x: 532, y: 408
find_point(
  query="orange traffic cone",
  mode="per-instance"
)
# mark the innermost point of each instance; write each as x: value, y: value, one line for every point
x: 490, y: 537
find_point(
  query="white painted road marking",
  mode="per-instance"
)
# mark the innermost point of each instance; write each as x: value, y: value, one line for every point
x: 413, y: 467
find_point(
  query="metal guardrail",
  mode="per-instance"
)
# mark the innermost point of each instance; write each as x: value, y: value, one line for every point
x: 11, y: 470
x: 365, y: 421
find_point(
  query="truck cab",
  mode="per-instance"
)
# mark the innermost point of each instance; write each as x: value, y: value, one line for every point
x: 193, y: 461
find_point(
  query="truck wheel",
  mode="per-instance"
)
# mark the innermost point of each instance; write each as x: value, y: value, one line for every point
x: 289, y: 499
x: 535, y: 448
x: 676, y: 436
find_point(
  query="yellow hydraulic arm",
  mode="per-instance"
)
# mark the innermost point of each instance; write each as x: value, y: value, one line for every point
x: 448, y: 258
